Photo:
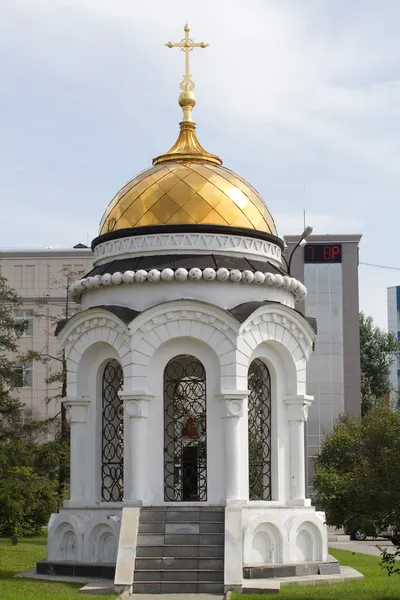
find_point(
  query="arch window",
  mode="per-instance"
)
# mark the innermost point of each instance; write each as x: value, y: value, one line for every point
x: 185, y: 430
x: 259, y: 431
x: 112, y: 448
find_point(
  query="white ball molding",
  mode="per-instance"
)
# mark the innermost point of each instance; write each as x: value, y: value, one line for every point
x: 181, y: 274
x: 195, y: 274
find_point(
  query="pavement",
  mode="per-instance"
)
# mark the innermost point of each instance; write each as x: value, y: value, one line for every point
x: 370, y: 546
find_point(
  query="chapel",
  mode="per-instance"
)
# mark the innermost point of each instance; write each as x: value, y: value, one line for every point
x: 186, y: 386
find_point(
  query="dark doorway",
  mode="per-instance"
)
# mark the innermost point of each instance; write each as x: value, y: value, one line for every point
x: 190, y: 474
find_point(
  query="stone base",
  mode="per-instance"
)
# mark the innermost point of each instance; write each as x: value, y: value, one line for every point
x: 81, y: 570
x: 272, y: 586
x: 83, y: 536
x: 330, y: 567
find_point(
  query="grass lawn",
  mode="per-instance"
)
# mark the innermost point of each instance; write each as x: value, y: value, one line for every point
x: 14, y: 559
x: 375, y: 586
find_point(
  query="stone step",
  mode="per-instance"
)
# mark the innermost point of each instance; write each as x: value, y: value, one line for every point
x: 159, y: 551
x: 167, y: 563
x: 177, y: 527
x: 179, y: 575
x: 192, y: 516
x: 178, y: 539
x: 176, y: 587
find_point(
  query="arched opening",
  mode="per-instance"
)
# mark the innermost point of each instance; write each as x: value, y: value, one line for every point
x: 185, y: 430
x: 259, y: 431
x: 112, y: 445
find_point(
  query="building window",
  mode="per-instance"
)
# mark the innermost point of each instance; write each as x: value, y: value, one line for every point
x: 26, y: 315
x: 25, y: 370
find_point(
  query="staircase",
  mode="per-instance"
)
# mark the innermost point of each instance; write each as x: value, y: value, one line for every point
x: 180, y: 550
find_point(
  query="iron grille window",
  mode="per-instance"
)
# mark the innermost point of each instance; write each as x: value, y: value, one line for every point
x: 259, y: 432
x: 185, y: 420
x: 112, y: 469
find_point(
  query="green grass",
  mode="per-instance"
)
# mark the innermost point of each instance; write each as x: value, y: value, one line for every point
x: 376, y: 585
x: 14, y: 559
x: 23, y: 557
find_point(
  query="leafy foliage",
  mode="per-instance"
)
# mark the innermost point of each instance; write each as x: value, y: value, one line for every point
x: 357, y: 472
x: 378, y: 350
x: 28, y: 468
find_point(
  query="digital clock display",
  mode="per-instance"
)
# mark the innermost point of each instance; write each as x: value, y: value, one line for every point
x: 323, y: 253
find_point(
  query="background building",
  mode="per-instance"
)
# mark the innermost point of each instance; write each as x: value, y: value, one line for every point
x: 41, y: 278
x: 328, y: 266
x: 393, y: 299
x: 333, y: 373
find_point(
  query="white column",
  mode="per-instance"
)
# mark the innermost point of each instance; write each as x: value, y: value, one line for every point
x: 234, y: 448
x: 297, y: 407
x: 80, y: 467
x: 135, y: 441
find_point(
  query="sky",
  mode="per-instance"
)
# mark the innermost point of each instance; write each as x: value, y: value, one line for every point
x: 302, y: 98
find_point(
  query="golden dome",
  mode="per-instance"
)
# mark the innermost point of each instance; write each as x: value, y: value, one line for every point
x: 195, y: 191
x: 187, y: 184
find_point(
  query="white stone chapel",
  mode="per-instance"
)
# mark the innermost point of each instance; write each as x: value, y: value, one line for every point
x: 186, y: 386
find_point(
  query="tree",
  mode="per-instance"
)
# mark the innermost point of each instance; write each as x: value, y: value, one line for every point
x: 378, y: 350
x: 26, y: 490
x: 10, y: 376
x: 59, y: 374
x: 357, y: 475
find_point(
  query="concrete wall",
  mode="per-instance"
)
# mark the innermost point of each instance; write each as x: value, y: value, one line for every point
x: 39, y: 275
x: 393, y: 304
x: 333, y: 372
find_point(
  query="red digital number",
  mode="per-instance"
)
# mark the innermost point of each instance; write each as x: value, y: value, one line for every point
x: 327, y: 253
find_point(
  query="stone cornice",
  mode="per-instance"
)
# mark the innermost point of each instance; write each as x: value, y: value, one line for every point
x: 180, y: 243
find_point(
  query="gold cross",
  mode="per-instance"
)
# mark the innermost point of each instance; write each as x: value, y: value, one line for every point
x: 186, y: 45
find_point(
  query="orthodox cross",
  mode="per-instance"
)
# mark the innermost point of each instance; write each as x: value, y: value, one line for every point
x: 186, y: 45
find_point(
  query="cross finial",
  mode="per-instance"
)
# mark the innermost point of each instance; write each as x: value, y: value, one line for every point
x: 186, y: 45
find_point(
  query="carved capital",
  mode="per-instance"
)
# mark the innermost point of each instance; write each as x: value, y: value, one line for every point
x: 233, y: 402
x: 135, y: 403
x: 298, y: 407
x: 76, y: 409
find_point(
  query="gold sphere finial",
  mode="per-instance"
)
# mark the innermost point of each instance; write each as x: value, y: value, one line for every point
x: 187, y: 98
x: 186, y: 28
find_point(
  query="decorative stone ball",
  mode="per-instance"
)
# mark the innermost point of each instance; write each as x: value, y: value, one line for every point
x: 286, y: 282
x: 222, y: 274
x: 259, y: 277
x: 76, y: 288
x: 269, y: 278
x: 248, y: 276
x: 209, y: 274
x: 278, y: 280
x: 301, y: 292
x: 235, y: 275
x: 116, y: 278
x: 106, y: 279
x: 154, y: 275
x: 181, y: 274
x: 89, y: 283
x: 141, y: 275
x: 195, y: 274
x: 128, y: 277
x: 96, y: 281
x: 167, y: 274
x: 294, y: 284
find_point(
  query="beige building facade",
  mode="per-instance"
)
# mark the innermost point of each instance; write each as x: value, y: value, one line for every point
x: 42, y: 277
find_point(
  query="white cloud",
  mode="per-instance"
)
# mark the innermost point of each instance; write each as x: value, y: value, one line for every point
x: 293, y: 223
x: 301, y: 85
